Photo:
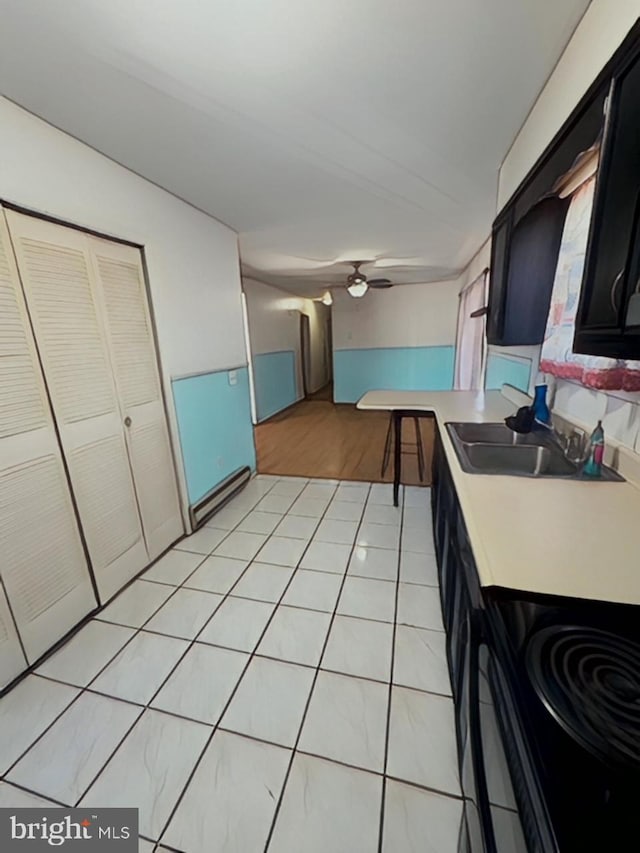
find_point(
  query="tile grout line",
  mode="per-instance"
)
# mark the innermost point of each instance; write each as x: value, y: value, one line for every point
x: 391, y: 675
x: 251, y: 656
x: 262, y: 656
x: 294, y: 750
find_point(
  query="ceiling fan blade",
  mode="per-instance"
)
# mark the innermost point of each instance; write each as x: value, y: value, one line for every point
x: 380, y: 283
x: 291, y: 264
x: 384, y: 262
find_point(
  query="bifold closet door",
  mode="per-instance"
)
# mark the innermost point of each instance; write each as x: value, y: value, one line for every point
x: 12, y: 659
x: 133, y: 355
x: 57, y: 274
x: 43, y: 568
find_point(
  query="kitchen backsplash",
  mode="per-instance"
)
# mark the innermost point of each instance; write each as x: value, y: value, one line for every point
x: 619, y: 411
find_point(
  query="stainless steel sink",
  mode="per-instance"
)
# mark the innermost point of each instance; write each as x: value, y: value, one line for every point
x: 494, y: 449
x: 493, y: 434
x: 529, y: 460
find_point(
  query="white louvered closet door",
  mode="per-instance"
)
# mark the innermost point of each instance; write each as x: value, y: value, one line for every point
x: 57, y: 274
x: 12, y: 659
x: 133, y: 355
x: 42, y: 562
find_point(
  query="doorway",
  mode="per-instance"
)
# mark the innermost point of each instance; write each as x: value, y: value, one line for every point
x: 320, y: 376
x: 305, y: 354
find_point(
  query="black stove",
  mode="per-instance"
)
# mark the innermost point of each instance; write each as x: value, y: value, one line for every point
x: 546, y: 695
x: 589, y: 681
x: 565, y: 678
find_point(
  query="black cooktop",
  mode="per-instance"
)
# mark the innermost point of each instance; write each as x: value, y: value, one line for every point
x: 589, y: 680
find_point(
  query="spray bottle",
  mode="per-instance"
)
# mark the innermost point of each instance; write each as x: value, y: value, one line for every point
x: 593, y: 465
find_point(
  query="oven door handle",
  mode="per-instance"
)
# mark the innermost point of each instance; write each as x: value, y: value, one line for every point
x: 475, y: 734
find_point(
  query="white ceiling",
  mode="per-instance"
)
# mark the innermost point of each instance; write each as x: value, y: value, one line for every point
x: 318, y: 129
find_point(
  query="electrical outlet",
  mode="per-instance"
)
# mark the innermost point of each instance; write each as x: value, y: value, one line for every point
x: 233, y: 377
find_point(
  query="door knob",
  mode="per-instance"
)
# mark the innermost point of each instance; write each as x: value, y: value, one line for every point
x: 127, y: 421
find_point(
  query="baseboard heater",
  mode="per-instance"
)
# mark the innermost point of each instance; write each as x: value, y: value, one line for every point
x: 214, y: 500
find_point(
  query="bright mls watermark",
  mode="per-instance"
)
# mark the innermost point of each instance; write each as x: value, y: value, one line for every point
x: 75, y: 830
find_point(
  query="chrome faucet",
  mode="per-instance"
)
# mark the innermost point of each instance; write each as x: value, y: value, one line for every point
x: 572, y: 443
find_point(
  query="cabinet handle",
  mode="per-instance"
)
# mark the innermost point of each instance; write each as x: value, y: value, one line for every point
x: 614, y: 289
x: 127, y: 421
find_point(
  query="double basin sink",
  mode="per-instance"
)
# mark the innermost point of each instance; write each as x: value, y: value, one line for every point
x: 493, y: 448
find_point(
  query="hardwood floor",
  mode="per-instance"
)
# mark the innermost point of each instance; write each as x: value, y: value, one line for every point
x: 324, y: 394
x: 317, y: 438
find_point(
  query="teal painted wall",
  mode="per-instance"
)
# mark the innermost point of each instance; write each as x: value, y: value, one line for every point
x: 502, y: 368
x: 214, y: 423
x: 274, y: 380
x: 356, y: 371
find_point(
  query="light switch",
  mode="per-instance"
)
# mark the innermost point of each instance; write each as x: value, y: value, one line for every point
x: 233, y: 377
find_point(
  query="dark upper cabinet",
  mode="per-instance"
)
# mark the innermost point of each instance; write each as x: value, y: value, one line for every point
x: 528, y: 232
x: 522, y: 270
x: 499, y: 272
x: 608, y: 319
x: 524, y: 260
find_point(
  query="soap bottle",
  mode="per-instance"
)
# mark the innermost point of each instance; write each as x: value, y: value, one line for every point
x: 593, y: 464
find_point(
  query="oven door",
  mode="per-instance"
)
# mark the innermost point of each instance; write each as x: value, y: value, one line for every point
x: 519, y: 819
x: 493, y: 822
x: 477, y: 834
x: 506, y: 824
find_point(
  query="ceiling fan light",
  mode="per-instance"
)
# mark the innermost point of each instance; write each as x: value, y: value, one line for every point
x: 357, y: 288
x: 327, y: 299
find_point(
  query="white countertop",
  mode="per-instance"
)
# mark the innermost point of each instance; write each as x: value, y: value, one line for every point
x: 560, y: 537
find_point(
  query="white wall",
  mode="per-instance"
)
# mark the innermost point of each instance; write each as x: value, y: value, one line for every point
x: 274, y: 325
x: 274, y: 317
x: 478, y: 263
x: 192, y: 259
x: 410, y: 315
x: 603, y: 28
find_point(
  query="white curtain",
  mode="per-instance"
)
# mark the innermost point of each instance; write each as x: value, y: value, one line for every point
x: 471, y: 340
x: 558, y: 358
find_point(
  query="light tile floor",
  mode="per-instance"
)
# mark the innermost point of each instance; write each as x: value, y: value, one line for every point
x: 240, y: 692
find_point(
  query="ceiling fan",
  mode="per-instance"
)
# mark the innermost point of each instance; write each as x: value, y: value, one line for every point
x: 358, y: 284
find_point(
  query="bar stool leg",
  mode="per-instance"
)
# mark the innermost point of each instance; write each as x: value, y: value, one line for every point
x: 420, y: 449
x: 397, y: 455
x: 387, y: 447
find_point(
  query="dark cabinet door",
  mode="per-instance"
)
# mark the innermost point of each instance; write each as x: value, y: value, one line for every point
x: 462, y: 618
x: 524, y: 256
x: 533, y: 259
x: 604, y: 325
x: 499, y: 276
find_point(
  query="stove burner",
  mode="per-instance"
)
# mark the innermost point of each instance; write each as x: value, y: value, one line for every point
x: 589, y: 680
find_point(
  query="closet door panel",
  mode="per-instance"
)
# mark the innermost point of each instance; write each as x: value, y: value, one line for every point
x: 155, y: 479
x: 57, y: 274
x: 133, y: 355
x: 12, y: 659
x: 43, y: 566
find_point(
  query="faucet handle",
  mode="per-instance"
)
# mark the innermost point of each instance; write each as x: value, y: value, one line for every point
x: 576, y: 446
x: 562, y: 440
